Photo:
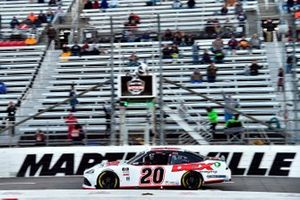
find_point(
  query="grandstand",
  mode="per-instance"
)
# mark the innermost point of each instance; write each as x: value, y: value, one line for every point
x: 38, y: 78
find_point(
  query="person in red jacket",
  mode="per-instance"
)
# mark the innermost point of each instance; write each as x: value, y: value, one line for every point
x: 71, y: 121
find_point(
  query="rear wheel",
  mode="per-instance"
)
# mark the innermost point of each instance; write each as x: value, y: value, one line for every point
x: 107, y: 180
x: 192, y: 180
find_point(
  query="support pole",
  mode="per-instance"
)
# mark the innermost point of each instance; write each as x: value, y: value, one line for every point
x: 123, y: 130
x: 161, y: 113
x: 112, y: 89
x: 295, y: 82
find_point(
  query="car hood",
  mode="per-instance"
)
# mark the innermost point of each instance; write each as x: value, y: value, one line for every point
x: 105, y: 164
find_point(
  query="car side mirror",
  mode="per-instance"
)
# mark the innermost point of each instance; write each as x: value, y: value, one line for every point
x: 136, y: 163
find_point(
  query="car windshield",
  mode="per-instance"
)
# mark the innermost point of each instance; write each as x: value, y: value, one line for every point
x: 136, y: 157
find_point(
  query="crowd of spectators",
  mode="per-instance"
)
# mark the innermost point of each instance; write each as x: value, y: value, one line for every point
x: 102, y: 4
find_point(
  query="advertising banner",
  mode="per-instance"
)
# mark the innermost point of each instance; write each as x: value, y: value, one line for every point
x: 61, y: 161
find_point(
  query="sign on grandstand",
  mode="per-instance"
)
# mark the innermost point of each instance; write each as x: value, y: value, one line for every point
x: 133, y: 86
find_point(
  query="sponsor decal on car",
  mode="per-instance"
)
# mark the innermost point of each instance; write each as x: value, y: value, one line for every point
x: 192, y: 166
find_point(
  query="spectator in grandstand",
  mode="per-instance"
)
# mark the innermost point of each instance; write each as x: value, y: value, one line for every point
x: 268, y: 28
x: 189, y: 39
x: 206, y: 57
x: 217, y: 44
x: 11, y: 116
x: 32, y: 18
x: 211, y: 73
x: 76, y: 49
x: 85, y: 49
x: 168, y: 35
x: 244, y: 43
x: 14, y: 22
x: 174, y: 53
x: 242, y: 17
x: 230, y: 2
x: 40, y: 138
x: 66, y: 53
x: 42, y: 17
x: 228, y: 27
x: 133, y: 60
x: 196, y: 76
x: 77, y: 135
x: 31, y: 40
x: 166, y: 52
x: 60, y: 14
x: 229, y: 104
x: 290, y: 4
x: 145, y: 37
x: 233, y: 44
x: 71, y: 121
x: 141, y: 69
x: 213, y: 119
x: 52, y: 3
x: 191, y: 3
x: 88, y: 5
x: 134, y: 19
x: 104, y: 5
x: 151, y: 3
x: 238, y: 8
x: 255, y: 42
x: 219, y: 56
x: 254, y: 67
x: 3, y: 88
x: 73, y: 99
x: 113, y: 3
x: 234, y: 128
x: 209, y: 28
x: 195, y: 53
x: 107, y: 113
x: 94, y: 49
x: 224, y: 10
x: 49, y: 16
x: 289, y: 63
x: 51, y: 33
x: 217, y: 26
x: 280, y: 81
x: 176, y: 4
x: 96, y: 4
x: 178, y: 37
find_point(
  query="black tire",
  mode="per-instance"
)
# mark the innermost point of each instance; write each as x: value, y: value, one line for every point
x: 191, y: 180
x: 108, y: 180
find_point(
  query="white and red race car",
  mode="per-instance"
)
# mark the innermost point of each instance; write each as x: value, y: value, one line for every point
x: 158, y: 168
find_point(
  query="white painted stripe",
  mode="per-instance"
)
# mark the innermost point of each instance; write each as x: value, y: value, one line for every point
x: 18, y: 183
x: 142, y: 195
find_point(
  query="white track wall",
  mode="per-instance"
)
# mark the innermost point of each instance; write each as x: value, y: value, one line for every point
x: 61, y: 161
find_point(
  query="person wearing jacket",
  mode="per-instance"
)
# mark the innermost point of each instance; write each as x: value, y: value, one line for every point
x: 213, y: 119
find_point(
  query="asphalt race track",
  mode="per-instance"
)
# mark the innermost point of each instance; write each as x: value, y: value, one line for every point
x: 256, y: 184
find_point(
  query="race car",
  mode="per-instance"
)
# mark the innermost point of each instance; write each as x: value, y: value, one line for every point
x: 158, y: 168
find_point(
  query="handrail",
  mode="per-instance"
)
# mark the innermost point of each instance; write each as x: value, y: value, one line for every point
x: 56, y: 105
x: 218, y: 103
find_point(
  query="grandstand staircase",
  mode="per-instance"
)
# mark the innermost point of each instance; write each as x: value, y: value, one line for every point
x: 196, y: 134
x: 31, y: 104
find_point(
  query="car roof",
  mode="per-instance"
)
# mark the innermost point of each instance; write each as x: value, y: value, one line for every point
x: 165, y: 149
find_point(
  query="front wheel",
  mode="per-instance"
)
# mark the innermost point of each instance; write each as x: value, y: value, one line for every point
x: 107, y: 180
x: 192, y: 180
